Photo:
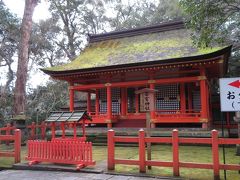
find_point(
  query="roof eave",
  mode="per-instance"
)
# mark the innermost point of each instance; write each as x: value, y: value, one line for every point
x: 225, y: 51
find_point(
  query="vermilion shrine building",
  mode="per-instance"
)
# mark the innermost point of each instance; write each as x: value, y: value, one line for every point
x: 114, y: 65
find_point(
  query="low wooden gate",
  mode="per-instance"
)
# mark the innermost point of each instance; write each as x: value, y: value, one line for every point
x: 60, y: 151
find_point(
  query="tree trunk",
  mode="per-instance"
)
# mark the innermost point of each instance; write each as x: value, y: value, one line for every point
x: 20, y: 85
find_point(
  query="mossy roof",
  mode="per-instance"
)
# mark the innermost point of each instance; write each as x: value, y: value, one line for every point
x: 153, y: 46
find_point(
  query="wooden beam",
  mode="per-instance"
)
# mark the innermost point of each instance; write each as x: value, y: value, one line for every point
x: 138, y: 83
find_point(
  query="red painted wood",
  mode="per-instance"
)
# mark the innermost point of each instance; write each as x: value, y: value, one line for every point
x: 175, y: 150
x: 111, y: 150
x: 175, y: 140
x: 97, y: 102
x: 141, y: 151
x: 71, y: 97
x: 125, y: 139
x: 137, y: 83
x: 196, y: 165
x: 203, y: 95
x: 136, y: 101
x: 61, y: 151
x: 109, y: 103
x: 215, y: 154
x: 153, y: 112
x: 159, y: 163
x: 126, y: 161
x: 182, y: 98
x: 16, y: 137
x: 229, y: 141
x: 190, y: 98
x: 89, y: 102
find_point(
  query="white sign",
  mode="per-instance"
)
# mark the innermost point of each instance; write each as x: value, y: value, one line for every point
x: 230, y: 94
x: 146, y: 102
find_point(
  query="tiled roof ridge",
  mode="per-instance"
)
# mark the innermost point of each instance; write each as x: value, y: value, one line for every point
x: 166, y: 26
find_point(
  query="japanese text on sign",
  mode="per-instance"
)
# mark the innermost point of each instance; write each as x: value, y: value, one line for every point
x: 230, y: 94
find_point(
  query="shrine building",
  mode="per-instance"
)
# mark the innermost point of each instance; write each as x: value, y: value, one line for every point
x: 114, y: 65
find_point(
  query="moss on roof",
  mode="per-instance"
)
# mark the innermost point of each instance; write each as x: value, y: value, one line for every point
x: 140, y: 48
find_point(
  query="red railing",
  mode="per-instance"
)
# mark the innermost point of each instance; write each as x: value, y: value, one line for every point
x: 175, y: 140
x: 33, y: 128
x: 60, y: 151
x: 8, y: 131
x: 16, y: 137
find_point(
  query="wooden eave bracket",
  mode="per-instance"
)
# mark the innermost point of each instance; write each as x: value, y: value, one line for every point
x: 202, y: 78
x: 108, y: 84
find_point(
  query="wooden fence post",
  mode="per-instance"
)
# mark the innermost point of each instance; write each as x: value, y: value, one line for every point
x: 175, y: 150
x: 17, y: 145
x: 215, y: 154
x: 141, y: 150
x: 111, y: 150
x: 8, y: 132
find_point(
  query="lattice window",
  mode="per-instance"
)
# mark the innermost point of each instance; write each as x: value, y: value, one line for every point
x: 116, y: 105
x: 167, y: 97
x: 196, y: 100
x: 115, y: 100
x: 131, y: 100
x: 103, y: 100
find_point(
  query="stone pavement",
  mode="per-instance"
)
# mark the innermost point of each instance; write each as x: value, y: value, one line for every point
x: 53, y: 175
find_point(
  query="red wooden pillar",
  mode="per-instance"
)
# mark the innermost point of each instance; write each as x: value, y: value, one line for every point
x: 109, y: 106
x: 153, y: 112
x: 215, y: 154
x: 182, y: 98
x: 97, y: 103
x: 203, y: 94
x: 89, y: 102
x: 137, y: 102
x: 175, y: 150
x: 142, y: 155
x: 123, y: 102
x: 111, y: 150
x: 71, y: 97
x: 190, y: 100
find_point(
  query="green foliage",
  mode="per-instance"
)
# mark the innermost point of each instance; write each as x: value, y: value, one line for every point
x: 215, y: 22
x: 44, y: 99
x: 132, y: 14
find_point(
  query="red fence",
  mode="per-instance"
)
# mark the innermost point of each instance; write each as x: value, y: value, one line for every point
x: 8, y: 131
x: 60, y: 151
x: 17, y: 145
x: 175, y: 140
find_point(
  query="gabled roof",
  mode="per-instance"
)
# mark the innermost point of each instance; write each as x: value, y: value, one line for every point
x: 66, y: 116
x: 167, y: 41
